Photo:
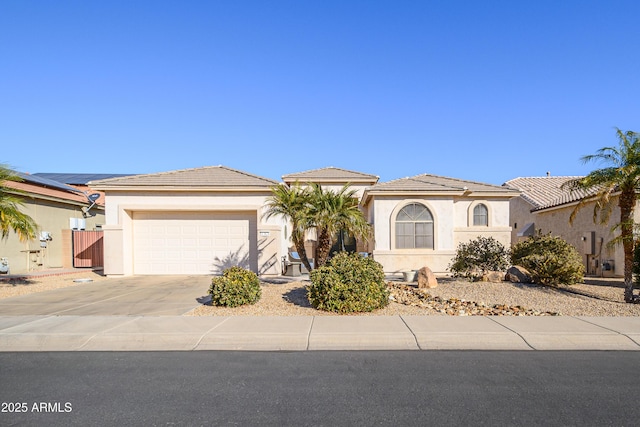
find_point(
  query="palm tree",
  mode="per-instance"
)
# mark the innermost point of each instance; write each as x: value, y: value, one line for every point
x: 332, y: 213
x: 292, y: 204
x: 620, y: 176
x: 11, y: 218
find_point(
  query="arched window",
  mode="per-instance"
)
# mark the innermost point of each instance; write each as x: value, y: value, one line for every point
x: 480, y: 215
x: 414, y: 227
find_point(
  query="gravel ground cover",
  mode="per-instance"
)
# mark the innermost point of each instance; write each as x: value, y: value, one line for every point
x: 594, y: 297
x: 16, y: 287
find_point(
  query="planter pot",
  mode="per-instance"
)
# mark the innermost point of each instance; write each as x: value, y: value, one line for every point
x: 409, y: 276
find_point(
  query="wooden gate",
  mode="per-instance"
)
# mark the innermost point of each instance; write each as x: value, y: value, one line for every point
x: 88, y: 249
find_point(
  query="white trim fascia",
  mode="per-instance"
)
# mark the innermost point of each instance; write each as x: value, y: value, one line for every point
x: 184, y: 189
x: 190, y: 208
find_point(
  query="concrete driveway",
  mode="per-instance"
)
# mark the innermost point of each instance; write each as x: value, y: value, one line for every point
x: 129, y: 296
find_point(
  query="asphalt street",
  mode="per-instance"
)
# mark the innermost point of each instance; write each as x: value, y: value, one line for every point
x: 320, y: 388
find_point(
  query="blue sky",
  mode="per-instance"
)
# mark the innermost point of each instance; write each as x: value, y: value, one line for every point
x: 486, y: 90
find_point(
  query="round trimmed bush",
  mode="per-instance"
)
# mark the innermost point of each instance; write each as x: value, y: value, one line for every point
x: 475, y: 258
x: 348, y: 283
x: 549, y: 259
x: 237, y: 286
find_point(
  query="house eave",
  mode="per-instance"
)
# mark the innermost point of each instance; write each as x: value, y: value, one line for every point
x: 189, y: 189
x: 36, y: 196
x: 456, y: 193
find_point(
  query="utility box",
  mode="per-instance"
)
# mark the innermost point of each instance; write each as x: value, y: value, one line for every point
x: 589, y: 243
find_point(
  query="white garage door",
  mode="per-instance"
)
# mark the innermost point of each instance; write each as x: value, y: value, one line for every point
x: 190, y: 242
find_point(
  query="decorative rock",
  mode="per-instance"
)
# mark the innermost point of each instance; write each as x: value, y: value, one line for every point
x: 493, y: 276
x: 426, y: 278
x: 517, y: 274
x: 409, y: 295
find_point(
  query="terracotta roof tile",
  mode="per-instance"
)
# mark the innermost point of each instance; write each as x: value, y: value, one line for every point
x: 330, y: 174
x: 209, y: 176
x: 433, y: 183
x: 546, y: 191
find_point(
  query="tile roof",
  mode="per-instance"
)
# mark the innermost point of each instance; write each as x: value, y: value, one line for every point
x: 546, y: 191
x: 38, y: 187
x: 203, y: 177
x: 330, y: 174
x: 427, y: 183
x: 79, y: 178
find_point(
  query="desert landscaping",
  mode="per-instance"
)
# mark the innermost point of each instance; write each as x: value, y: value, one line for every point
x: 280, y: 297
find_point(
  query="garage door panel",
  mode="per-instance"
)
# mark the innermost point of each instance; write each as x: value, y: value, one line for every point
x: 190, y: 243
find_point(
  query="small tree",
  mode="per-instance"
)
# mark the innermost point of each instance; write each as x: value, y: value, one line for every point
x: 11, y: 217
x: 549, y: 259
x: 619, y: 175
x: 292, y: 203
x: 475, y: 258
x: 315, y: 208
x: 332, y: 212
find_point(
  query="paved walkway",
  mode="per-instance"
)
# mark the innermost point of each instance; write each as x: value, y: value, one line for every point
x: 134, y: 333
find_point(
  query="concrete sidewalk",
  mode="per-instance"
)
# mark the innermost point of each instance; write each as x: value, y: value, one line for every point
x: 185, y: 333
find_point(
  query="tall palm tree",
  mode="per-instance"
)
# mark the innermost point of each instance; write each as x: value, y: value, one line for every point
x: 620, y: 176
x: 292, y: 204
x: 11, y: 218
x: 333, y: 212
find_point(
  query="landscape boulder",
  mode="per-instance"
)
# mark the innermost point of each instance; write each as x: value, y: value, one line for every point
x: 517, y: 274
x: 493, y: 277
x: 426, y: 278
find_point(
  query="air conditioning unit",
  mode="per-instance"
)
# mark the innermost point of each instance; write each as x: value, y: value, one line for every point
x: 77, y: 223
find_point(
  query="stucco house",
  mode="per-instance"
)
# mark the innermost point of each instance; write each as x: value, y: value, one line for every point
x: 56, y: 208
x: 545, y: 206
x: 419, y: 221
x: 200, y: 221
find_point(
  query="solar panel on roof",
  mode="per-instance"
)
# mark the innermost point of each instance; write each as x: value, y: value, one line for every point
x: 79, y: 178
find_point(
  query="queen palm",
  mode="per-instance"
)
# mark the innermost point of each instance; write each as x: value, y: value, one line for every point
x: 620, y: 176
x: 11, y: 218
x: 334, y: 212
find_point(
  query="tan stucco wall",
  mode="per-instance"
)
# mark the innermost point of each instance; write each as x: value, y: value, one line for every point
x: 452, y: 218
x: 119, y: 226
x: 51, y: 216
x: 556, y: 221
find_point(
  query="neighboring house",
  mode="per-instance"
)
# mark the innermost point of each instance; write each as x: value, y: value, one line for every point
x: 56, y: 208
x: 80, y: 180
x: 201, y: 221
x: 544, y: 206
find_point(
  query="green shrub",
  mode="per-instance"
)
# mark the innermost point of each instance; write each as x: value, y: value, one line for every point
x: 549, y: 259
x: 235, y: 287
x: 348, y: 283
x: 479, y: 256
